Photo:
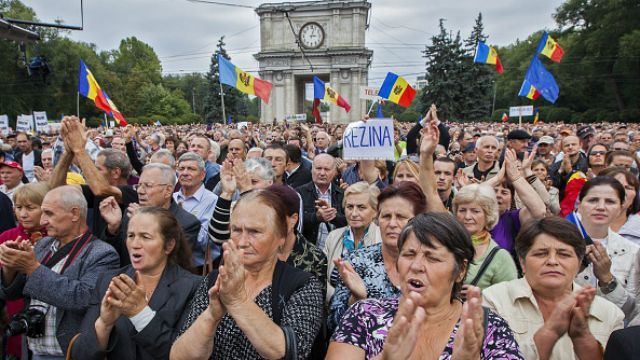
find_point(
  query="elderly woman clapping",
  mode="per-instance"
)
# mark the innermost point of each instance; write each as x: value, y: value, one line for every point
x: 428, y: 321
x: 551, y: 315
x: 255, y: 306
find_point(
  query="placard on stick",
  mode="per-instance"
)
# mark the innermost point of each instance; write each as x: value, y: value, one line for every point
x: 371, y: 140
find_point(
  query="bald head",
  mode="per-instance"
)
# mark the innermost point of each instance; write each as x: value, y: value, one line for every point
x: 323, y: 170
x: 322, y: 140
x: 236, y: 149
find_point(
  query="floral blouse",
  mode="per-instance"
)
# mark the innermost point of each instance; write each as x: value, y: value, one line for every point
x: 366, y: 325
x: 368, y: 263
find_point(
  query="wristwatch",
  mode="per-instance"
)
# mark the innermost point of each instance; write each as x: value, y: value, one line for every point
x: 608, y: 287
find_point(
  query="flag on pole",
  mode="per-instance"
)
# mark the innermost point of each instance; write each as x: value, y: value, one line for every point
x: 543, y: 81
x: 397, y: 90
x: 505, y: 117
x: 234, y: 76
x: 529, y: 91
x: 486, y: 54
x: 315, y: 111
x: 88, y: 87
x: 325, y: 93
x: 379, y: 113
x: 550, y: 48
x: 536, y: 118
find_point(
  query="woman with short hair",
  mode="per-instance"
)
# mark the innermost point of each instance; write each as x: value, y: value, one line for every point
x: 429, y: 320
x: 551, y: 315
x: 627, y: 223
x: 359, y: 202
x: 476, y: 208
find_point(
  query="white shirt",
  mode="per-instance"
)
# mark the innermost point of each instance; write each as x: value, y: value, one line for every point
x: 28, y: 165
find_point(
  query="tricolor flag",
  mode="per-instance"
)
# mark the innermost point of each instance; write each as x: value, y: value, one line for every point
x: 88, y: 87
x: 397, y: 90
x: 505, y: 117
x: 550, y: 48
x: 543, y: 81
x: 233, y: 76
x: 529, y: 91
x: 325, y: 93
x: 536, y: 118
x: 486, y: 54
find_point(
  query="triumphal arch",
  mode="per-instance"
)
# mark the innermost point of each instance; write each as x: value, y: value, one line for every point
x: 299, y: 40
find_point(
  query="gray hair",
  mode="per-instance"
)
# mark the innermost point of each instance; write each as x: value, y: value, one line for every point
x: 191, y: 156
x: 114, y: 159
x: 47, y: 152
x: 167, y: 172
x: 260, y: 166
x: 163, y: 154
x: 484, y: 138
x: 70, y: 197
x: 362, y: 187
x: 484, y: 196
x: 215, y: 150
x: 157, y: 138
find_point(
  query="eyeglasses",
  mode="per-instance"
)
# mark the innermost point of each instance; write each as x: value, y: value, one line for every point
x: 146, y: 186
x: 594, y: 153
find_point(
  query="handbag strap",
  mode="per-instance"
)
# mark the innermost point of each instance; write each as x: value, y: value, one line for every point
x: 70, y: 348
x: 485, y: 265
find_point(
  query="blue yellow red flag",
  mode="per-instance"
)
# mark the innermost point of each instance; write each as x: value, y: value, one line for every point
x: 529, y: 91
x: 543, y: 81
x: 486, y: 54
x: 88, y: 87
x: 397, y: 90
x: 550, y: 48
x: 325, y: 93
x: 243, y: 81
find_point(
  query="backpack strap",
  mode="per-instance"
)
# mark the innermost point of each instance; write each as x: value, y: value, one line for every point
x: 286, y: 280
x: 485, y: 265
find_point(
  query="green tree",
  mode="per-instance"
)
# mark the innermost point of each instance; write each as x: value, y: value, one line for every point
x: 444, y: 74
x: 478, y: 78
x: 212, y: 101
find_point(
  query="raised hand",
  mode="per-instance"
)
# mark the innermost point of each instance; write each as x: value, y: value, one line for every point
x: 216, y: 307
x: 127, y: 296
x: 242, y: 178
x: 430, y: 138
x: 351, y: 279
x: 468, y: 341
x: 109, y: 313
x: 404, y: 332
x: 560, y: 320
x: 528, y: 160
x: 111, y: 213
x: 511, y: 165
x: 227, y: 180
x: 601, y: 261
x: 75, y: 138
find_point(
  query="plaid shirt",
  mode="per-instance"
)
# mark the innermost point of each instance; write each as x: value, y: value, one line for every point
x: 48, y: 344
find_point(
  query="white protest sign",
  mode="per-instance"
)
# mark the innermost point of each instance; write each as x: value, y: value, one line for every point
x: 112, y: 123
x: 372, y: 140
x: 242, y: 124
x: 516, y: 111
x: 23, y: 123
x: 368, y: 93
x: 296, y: 117
x: 42, y: 124
x: 4, y: 123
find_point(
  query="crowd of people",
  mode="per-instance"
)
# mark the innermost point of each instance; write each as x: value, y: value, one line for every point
x: 480, y: 241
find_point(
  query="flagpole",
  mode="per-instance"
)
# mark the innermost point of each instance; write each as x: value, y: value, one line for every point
x: 224, y: 114
x: 78, y: 104
x: 371, y: 107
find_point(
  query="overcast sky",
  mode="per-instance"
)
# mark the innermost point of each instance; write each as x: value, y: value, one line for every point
x: 184, y: 33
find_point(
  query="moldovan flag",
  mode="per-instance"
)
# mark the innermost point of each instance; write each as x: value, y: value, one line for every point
x: 550, y: 48
x: 325, y: 93
x: 233, y: 76
x: 529, y: 91
x: 486, y: 54
x: 536, y: 118
x: 397, y: 90
x: 88, y: 87
x: 505, y: 117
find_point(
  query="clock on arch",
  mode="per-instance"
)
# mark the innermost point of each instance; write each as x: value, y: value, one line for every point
x: 311, y: 35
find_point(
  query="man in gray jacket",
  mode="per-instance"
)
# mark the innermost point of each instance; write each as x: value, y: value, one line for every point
x: 58, y: 274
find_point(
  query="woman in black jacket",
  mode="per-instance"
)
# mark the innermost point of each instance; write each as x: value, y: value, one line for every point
x: 138, y: 309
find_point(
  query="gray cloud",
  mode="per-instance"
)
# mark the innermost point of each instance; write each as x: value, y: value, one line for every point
x: 184, y: 34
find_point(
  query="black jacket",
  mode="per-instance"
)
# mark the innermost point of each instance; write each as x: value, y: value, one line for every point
x: 623, y: 344
x: 189, y: 223
x: 300, y: 177
x: 37, y: 161
x: 170, y: 301
x: 310, y: 221
x: 7, y: 220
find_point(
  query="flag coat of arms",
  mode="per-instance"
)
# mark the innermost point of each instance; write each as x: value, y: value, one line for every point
x: 486, y: 54
x: 397, y: 90
x: 243, y: 81
x: 550, y: 48
x: 88, y: 87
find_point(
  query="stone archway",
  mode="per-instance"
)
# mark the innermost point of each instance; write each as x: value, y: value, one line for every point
x: 332, y: 34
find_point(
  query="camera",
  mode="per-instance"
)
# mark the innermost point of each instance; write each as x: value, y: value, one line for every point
x: 30, y: 321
